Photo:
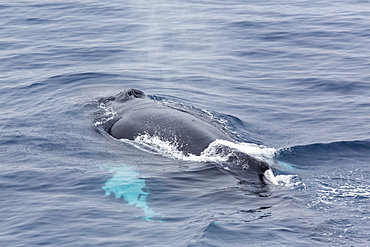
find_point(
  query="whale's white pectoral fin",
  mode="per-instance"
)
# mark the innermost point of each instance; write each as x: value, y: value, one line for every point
x: 126, y: 183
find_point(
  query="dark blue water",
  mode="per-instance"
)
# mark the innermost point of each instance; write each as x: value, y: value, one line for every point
x: 290, y: 76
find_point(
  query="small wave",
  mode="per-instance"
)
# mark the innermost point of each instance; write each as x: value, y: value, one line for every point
x: 334, y: 86
x: 340, y: 146
x: 313, y: 152
x: 81, y: 78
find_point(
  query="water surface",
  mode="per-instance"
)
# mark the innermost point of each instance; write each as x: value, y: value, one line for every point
x: 291, y: 76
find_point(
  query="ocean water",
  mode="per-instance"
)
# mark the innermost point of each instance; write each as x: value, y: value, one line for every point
x: 289, y: 80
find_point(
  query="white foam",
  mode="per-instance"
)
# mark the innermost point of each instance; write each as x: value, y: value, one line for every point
x: 163, y: 147
x: 258, y: 151
x: 291, y: 181
x: 167, y: 149
x: 270, y: 177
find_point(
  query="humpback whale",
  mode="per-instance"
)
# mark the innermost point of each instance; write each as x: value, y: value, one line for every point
x: 140, y: 115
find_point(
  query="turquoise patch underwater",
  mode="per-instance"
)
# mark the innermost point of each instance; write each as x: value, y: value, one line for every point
x: 127, y: 183
x: 284, y: 167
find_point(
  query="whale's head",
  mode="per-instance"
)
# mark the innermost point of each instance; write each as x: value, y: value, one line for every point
x: 130, y: 93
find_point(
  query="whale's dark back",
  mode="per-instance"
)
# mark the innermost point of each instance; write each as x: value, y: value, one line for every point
x: 140, y: 115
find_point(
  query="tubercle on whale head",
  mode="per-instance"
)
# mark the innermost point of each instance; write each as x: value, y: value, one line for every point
x: 130, y: 93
